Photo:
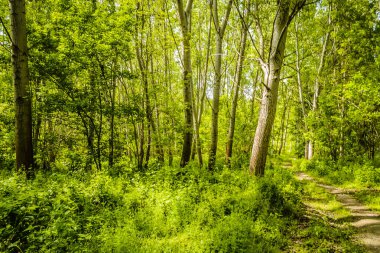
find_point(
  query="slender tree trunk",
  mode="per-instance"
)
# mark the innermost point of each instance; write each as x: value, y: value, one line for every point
x: 37, y: 133
x: 148, y: 146
x: 254, y: 88
x: 154, y: 115
x: 99, y: 132
x: 317, y: 88
x: 220, y: 29
x: 168, y: 119
x: 185, y: 18
x: 142, y: 37
x: 201, y: 100
x: 140, y: 160
x: 215, y: 104
x: 160, y: 149
x: 283, y: 125
x: 231, y: 129
x: 270, y: 93
x: 283, y: 142
x: 135, y: 135
x: 193, y: 145
x: 37, y: 127
x: 300, y: 93
x: 112, y: 122
x: 52, y: 154
x: 112, y: 98
x: 23, y: 100
x: 148, y: 112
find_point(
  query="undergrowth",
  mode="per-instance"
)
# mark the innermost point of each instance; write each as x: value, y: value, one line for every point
x: 362, y: 179
x: 163, y: 210
x: 345, y: 174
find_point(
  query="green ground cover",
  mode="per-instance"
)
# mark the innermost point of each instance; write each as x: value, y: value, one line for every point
x: 362, y: 179
x: 163, y: 210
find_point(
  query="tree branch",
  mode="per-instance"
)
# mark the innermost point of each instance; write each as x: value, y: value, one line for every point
x: 225, y: 21
x: 189, y: 5
x: 6, y: 30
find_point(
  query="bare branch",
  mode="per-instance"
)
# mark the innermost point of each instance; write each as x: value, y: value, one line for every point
x: 225, y: 21
x: 246, y: 26
x: 6, y: 30
x: 189, y: 5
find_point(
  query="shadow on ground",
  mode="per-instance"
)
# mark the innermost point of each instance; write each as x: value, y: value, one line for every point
x: 366, y: 222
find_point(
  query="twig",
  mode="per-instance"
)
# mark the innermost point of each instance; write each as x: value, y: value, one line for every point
x: 6, y: 30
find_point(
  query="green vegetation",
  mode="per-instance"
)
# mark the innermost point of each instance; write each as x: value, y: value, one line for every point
x: 168, y: 125
x: 361, y: 179
x: 163, y: 210
x: 357, y: 175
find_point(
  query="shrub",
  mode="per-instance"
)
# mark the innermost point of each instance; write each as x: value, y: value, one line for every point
x: 164, y: 209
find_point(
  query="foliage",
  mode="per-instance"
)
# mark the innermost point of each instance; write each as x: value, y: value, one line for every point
x: 361, y: 175
x: 164, y: 210
x: 370, y: 197
x: 106, y: 79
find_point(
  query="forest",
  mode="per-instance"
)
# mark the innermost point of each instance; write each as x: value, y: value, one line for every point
x: 189, y: 126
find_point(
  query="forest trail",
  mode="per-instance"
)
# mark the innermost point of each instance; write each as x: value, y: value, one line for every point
x: 361, y: 217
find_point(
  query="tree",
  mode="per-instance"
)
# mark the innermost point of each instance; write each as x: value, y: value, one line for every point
x: 317, y: 89
x: 219, y: 34
x: 272, y: 74
x: 23, y: 102
x: 185, y: 19
x: 238, y: 75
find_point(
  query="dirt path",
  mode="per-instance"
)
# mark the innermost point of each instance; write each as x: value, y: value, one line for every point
x: 366, y: 221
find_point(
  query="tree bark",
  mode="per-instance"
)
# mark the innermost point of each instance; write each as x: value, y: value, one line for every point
x: 317, y: 88
x: 140, y: 160
x: 198, y: 111
x: 231, y: 128
x: 220, y: 29
x: 283, y: 125
x: 300, y: 93
x: 185, y: 18
x: 23, y: 104
x: 112, y: 119
x: 271, y: 83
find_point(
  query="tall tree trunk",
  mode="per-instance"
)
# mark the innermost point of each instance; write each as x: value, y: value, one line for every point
x: 23, y: 103
x: 140, y: 160
x: 112, y: 119
x: 271, y: 82
x: 283, y: 124
x: 185, y: 18
x: 285, y: 134
x: 231, y: 129
x: 300, y: 93
x: 317, y: 88
x: 154, y: 118
x: 220, y: 29
x: 198, y: 112
x: 142, y: 39
x: 99, y: 132
x: 148, y: 112
x: 37, y: 126
x: 112, y: 98
x: 168, y: 119
x: 215, y: 104
x: 256, y: 81
x: 157, y: 130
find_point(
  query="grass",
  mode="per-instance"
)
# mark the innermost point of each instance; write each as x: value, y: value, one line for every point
x: 324, y: 229
x: 362, y: 180
x: 317, y: 198
x: 163, y: 210
x: 370, y: 198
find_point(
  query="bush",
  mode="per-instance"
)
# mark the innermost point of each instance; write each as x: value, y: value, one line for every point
x: 361, y: 174
x: 164, y: 209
